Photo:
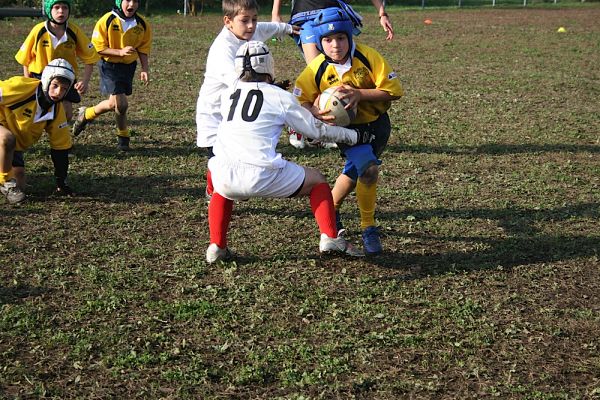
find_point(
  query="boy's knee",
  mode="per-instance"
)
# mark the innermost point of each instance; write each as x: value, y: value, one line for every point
x: 370, y: 176
x: 8, y: 141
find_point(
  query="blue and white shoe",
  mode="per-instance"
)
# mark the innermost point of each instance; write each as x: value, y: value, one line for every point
x: 371, y: 241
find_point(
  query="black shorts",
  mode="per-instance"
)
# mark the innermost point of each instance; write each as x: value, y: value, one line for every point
x: 116, y: 78
x: 72, y: 95
x: 18, y: 160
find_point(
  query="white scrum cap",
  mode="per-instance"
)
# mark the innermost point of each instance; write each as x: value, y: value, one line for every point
x: 254, y: 56
x: 57, y: 68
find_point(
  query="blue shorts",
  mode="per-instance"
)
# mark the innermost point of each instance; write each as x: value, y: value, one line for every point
x: 116, y: 78
x: 360, y: 157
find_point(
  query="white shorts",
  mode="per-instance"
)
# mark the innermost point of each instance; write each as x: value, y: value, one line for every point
x: 239, y: 181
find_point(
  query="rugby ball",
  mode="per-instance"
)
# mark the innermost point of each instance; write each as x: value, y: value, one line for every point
x: 330, y: 100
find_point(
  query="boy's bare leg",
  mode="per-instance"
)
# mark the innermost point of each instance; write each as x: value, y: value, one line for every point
x: 342, y: 188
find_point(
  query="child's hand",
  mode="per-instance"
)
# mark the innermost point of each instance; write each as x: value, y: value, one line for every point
x: 127, y: 51
x: 81, y: 87
x: 351, y: 94
x: 144, y: 77
x: 296, y: 29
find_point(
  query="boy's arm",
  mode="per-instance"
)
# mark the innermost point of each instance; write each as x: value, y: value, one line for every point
x: 145, y: 67
x: 355, y: 96
x: 26, y: 71
x: 275, y: 12
x: 384, y: 19
x: 82, y: 85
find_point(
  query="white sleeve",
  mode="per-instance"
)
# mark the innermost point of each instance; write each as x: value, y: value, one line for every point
x: 300, y: 119
x: 267, y: 30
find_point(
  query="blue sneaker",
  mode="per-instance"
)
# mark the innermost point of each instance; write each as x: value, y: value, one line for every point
x: 371, y: 242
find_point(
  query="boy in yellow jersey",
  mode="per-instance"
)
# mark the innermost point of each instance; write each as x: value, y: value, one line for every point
x: 368, y: 83
x: 58, y: 38
x: 28, y: 107
x: 121, y: 36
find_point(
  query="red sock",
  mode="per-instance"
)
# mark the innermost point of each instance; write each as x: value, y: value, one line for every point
x: 209, y: 185
x: 219, y: 215
x: 321, y: 203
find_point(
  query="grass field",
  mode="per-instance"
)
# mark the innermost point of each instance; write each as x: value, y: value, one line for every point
x: 489, y: 202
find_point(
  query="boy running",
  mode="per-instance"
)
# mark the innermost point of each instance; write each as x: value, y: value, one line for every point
x: 369, y: 83
x: 58, y: 38
x: 121, y: 36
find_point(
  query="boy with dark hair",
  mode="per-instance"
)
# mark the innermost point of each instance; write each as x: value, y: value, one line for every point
x: 28, y: 107
x: 240, y: 25
x: 121, y: 36
x: 246, y: 163
x: 58, y: 38
x: 368, y: 83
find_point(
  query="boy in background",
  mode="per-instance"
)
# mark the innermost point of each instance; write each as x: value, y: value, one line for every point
x: 368, y: 83
x: 121, y: 36
x: 28, y: 107
x: 58, y: 38
x: 240, y: 26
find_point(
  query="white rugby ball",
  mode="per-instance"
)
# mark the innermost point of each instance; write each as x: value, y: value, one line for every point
x: 330, y: 100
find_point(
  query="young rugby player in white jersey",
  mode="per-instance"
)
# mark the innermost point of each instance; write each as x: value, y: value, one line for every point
x: 245, y: 162
x: 240, y: 20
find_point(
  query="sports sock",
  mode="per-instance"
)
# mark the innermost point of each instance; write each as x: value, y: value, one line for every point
x: 209, y: 184
x: 123, y: 132
x: 219, y: 215
x: 321, y: 203
x: 365, y: 197
x: 5, y: 176
x: 90, y: 114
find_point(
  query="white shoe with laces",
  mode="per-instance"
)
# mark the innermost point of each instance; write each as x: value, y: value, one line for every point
x: 12, y: 192
x: 329, y: 245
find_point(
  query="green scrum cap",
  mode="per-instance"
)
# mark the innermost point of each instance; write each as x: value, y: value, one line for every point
x: 48, y: 4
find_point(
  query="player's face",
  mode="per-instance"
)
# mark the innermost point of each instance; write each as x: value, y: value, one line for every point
x: 57, y: 90
x: 60, y: 12
x: 129, y: 7
x: 243, y: 24
x: 336, y: 46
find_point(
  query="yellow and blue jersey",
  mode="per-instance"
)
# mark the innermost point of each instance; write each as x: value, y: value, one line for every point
x: 38, y: 49
x: 369, y: 70
x: 115, y: 33
x: 21, y: 114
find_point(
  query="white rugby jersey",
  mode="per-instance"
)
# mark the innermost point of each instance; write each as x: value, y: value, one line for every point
x: 220, y: 73
x: 254, y: 115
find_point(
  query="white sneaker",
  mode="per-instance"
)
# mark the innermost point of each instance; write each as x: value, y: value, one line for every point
x: 296, y: 139
x: 214, y: 253
x: 12, y: 192
x: 338, y: 245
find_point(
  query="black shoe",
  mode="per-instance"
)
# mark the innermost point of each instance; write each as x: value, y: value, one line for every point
x: 123, y: 143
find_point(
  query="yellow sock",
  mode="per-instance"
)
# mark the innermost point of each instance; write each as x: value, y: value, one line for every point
x: 123, y: 132
x: 5, y: 176
x: 90, y: 114
x: 365, y: 197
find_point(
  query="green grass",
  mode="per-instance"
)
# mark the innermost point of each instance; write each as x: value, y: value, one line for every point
x: 489, y: 202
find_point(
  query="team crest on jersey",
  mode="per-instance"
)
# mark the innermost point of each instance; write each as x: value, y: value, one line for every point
x: 392, y: 75
x: 115, y: 27
x: 27, y: 112
x: 332, y: 79
x: 296, y: 92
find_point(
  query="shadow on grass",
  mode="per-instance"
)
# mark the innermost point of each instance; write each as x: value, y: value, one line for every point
x: 494, y: 149
x: 139, y: 148
x: 13, y: 295
x: 524, y: 246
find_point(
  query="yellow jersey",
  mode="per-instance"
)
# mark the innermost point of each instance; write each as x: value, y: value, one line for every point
x: 115, y: 33
x: 38, y: 48
x: 369, y: 70
x: 21, y: 114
